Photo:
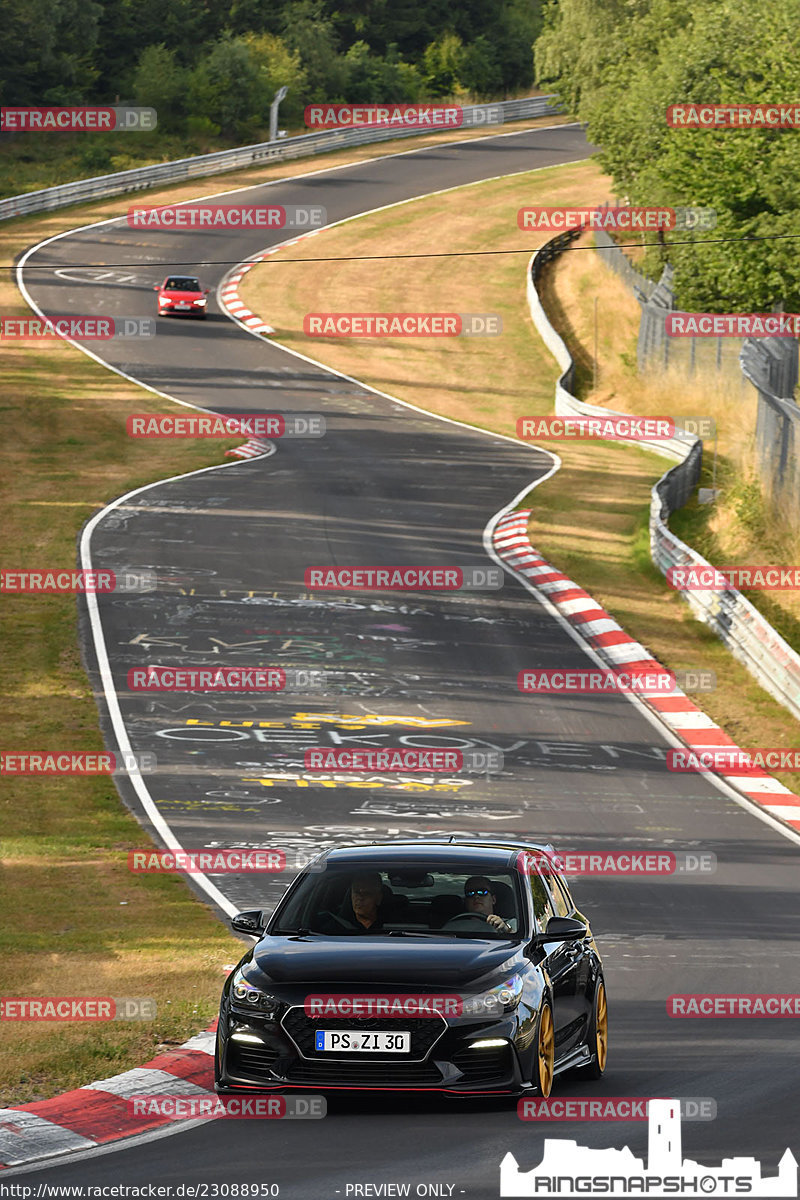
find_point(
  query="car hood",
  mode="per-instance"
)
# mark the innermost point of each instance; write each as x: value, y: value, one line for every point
x: 172, y: 295
x: 449, y: 963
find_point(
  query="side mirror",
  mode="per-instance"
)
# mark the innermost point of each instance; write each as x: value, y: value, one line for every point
x: 156, y: 287
x: 561, y: 929
x: 207, y: 291
x: 250, y: 922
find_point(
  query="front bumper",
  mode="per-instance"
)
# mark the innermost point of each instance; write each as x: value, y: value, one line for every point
x: 255, y: 1053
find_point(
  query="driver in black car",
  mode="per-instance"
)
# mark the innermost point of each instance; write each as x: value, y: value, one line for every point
x: 480, y: 900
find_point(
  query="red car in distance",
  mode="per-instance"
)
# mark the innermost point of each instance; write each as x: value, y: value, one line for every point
x: 181, y: 294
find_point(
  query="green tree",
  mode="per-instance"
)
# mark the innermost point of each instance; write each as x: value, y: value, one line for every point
x: 619, y: 65
x: 233, y: 85
x: 308, y: 30
x: 46, y: 50
x: 160, y: 83
x: 479, y: 70
x: 441, y: 65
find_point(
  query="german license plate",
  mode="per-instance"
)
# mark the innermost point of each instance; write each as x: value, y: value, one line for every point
x: 363, y: 1040
x: 181, y: 305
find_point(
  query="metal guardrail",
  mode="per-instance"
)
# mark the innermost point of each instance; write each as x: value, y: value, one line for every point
x: 744, y: 630
x: 476, y: 116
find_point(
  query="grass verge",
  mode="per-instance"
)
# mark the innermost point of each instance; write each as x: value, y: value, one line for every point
x: 591, y: 517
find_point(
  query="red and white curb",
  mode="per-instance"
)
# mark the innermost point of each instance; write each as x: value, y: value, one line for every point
x: 98, y: 1113
x: 252, y: 449
x: 610, y: 641
x: 229, y: 297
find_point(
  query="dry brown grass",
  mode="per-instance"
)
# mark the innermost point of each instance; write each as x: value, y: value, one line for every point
x: 591, y: 518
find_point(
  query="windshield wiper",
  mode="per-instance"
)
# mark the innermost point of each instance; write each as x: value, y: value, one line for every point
x: 423, y: 933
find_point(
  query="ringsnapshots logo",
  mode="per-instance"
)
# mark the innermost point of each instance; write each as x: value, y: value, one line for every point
x: 599, y: 681
x: 83, y: 118
x: 58, y: 581
x: 243, y: 1108
x: 733, y: 116
x: 706, y: 578
x: 77, y: 1008
x: 401, y: 324
x: 403, y: 759
x: 75, y: 762
x: 226, y: 425
x: 75, y: 328
x: 227, y: 216
x: 403, y: 579
x: 569, y: 1169
x: 225, y: 679
x: 613, y: 428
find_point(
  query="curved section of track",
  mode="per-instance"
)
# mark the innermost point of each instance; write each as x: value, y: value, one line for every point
x: 392, y: 485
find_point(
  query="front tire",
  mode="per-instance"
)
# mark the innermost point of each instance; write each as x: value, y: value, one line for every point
x: 545, y: 1052
x: 597, y: 1038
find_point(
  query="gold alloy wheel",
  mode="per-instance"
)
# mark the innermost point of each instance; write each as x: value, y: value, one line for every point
x: 601, y: 1026
x: 546, y: 1051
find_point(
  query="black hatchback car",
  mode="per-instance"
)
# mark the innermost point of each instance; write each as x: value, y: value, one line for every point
x: 456, y: 967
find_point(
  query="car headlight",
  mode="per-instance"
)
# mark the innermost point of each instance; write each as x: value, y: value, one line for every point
x: 202, y: 300
x: 503, y: 997
x: 249, y: 996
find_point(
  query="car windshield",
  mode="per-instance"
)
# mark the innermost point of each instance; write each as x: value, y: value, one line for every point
x: 182, y: 283
x: 447, y: 901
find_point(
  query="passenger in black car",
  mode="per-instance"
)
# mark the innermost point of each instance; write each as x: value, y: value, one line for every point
x: 360, y: 912
x: 366, y: 893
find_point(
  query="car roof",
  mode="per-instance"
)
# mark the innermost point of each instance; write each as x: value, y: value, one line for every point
x: 481, y: 852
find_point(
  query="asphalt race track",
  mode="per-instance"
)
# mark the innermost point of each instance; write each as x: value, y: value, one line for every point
x: 388, y: 485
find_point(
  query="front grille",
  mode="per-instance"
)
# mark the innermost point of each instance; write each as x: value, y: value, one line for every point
x: 353, y: 1074
x: 489, y: 1064
x: 245, y: 1058
x: 425, y: 1031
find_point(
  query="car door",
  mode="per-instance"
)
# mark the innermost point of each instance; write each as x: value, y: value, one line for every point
x: 566, y: 966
